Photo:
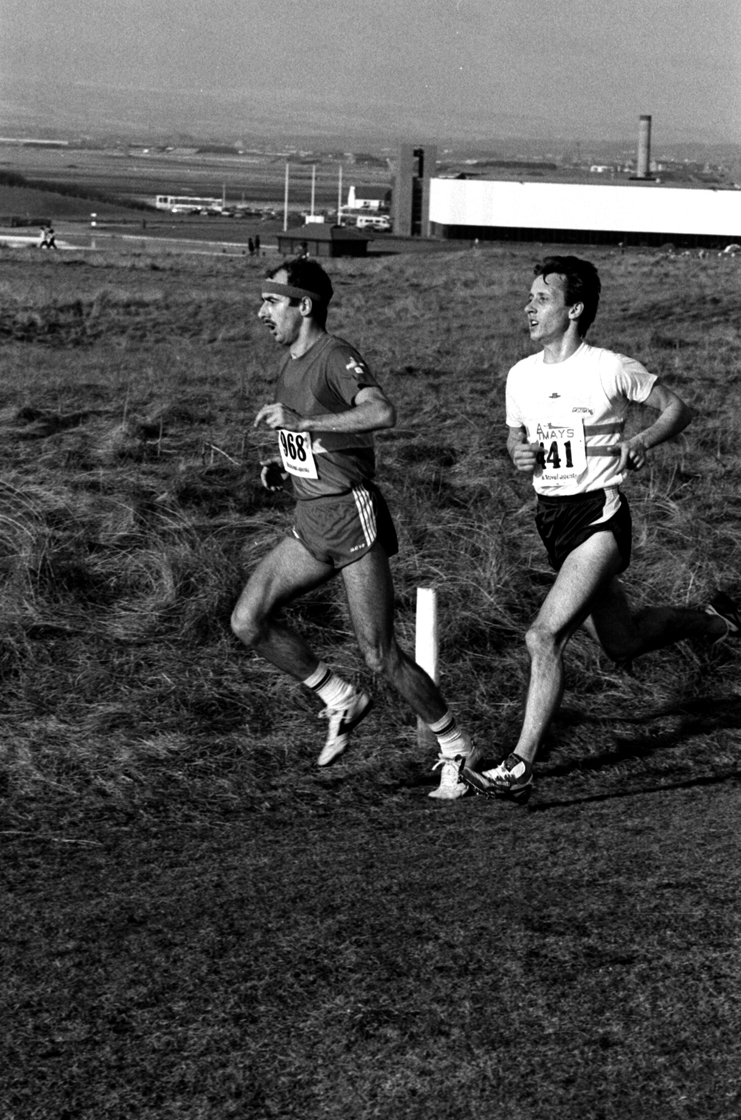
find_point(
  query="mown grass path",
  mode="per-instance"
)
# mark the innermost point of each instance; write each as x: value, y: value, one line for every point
x: 406, y: 960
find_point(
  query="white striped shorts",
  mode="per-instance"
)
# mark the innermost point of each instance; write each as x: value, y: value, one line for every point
x: 340, y: 528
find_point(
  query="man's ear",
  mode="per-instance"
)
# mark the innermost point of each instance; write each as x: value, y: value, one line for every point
x: 576, y: 310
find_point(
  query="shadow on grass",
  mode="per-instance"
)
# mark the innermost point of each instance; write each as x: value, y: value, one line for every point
x: 696, y: 717
x: 663, y: 787
x: 713, y: 713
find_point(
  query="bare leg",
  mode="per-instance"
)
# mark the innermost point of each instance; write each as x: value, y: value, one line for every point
x: 624, y: 634
x: 586, y: 593
x: 370, y: 596
x: 584, y: 572
x: 288, y: 572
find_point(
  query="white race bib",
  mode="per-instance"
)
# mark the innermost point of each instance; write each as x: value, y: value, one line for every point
x: 562, y: 451
x: 296, y: 453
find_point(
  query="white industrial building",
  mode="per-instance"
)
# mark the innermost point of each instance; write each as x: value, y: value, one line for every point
x: 638, y: 211
x: 632, y: 213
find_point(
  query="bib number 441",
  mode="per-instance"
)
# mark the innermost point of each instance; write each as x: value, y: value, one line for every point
x: 558, y: 455
x: 562, y: 455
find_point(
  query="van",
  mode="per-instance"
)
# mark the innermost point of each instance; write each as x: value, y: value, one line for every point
x: 374, y: 221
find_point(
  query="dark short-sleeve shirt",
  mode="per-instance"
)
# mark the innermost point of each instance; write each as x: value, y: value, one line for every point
x: 325, y: 381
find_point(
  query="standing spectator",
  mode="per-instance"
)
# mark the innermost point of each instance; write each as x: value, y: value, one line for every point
x: 47, y: 238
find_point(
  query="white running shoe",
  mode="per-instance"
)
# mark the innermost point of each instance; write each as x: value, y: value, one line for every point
x: 341, y: 722
x: 452, y: 785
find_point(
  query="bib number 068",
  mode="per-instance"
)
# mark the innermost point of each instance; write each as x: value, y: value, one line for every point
x: 293, y: 446
x: 296, y: 453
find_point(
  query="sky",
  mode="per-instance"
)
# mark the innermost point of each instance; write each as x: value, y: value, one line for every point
x: 414, y: 69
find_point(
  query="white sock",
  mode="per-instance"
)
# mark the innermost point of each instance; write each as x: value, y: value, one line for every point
x: 452, y: 739
x: 330, y: 688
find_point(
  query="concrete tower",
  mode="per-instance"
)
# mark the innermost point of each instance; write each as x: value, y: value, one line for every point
x: 411, y: 198
x: 643, y: 161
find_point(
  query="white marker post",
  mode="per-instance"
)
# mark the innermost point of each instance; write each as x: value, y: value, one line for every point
x: 426, y: 650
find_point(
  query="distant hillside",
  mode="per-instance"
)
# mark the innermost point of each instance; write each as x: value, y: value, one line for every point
x: 25, y: 202
x: 23, y: 198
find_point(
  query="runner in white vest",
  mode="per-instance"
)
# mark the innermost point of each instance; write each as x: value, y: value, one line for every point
x: 327, y: 407
x: 566, y: 409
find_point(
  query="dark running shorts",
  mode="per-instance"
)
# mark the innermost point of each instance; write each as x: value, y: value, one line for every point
x: 565, y: 523
x: 341, y: 528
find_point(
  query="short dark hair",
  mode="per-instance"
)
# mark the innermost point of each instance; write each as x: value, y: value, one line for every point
x: 581, y: 285
x: 309, y: 274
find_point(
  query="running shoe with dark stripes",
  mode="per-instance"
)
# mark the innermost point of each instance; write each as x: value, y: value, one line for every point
x: 512, y: 778
x: 341, y: 722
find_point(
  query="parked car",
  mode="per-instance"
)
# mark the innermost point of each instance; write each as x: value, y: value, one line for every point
x: 374, y: 221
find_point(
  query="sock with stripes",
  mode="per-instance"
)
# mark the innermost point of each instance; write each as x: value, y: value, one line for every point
x: 330, y: 688
x: 453, y: 741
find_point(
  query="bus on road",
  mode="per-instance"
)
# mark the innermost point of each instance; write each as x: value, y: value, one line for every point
x: 186, y: 204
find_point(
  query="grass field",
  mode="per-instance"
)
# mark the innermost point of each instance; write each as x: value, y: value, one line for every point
x: 202, y: 924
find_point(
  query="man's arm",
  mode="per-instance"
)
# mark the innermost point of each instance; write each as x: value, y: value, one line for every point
x: 674, y: 416
x: 371, y: 411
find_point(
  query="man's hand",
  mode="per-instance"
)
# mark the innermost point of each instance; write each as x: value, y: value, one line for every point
x: 633, y: 454
x: 526, y: 456
x: 278, y: 416
x: 272, y: 475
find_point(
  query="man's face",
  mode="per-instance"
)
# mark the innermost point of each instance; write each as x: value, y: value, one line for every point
x: 546, y: 310
x: 279, y: 315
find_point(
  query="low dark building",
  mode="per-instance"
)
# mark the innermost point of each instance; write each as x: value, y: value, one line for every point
x: 319, y: 239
